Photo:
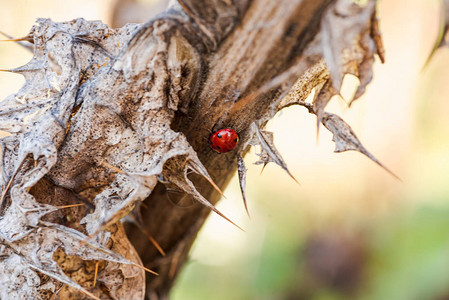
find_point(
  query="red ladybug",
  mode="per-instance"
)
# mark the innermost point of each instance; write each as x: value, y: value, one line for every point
x: 224, y: 140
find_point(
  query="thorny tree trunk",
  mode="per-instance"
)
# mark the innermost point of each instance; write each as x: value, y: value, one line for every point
x: 109, y: 118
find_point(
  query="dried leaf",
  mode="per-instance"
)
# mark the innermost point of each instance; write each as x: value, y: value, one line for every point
x: 345, y: 139
x: 343, y: 23
x: 321, y: 100
x: 363, y: 68
x: 242, y: 180
x: 350, y: 39
x: 51, y: 237
x: 172, y: 173
x: 313, y: 79
x: 112, y: 154
x: 269, y: 153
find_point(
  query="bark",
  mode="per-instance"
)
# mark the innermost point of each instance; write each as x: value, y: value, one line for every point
x: 119, y: 121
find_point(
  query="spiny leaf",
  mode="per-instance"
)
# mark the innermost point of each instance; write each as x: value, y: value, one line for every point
x: 59, y: 275
x: 187, y: 186
x: 198, y: 167
x: 341, y: 25
x: 177, y: 173
x: 58, y: 236
x: 345, y: 139
x: 242, y: 180
x: 321, y: 100
x: 269, y: 152
x: 75, y: 243
x: 364, y: 69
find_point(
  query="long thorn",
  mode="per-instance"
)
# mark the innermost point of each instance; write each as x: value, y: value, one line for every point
x: 96, y: 273
x: 70, y: 205
x: 226, y: 218
x: 263, y: 168
x: 112, y: 167
x: 156, y: 244
x: 16, y: 40
x: 146, y: 269
x: 175, y: 260
x: 149, y: 236
x: 192, y: 166
x: 6, y: 190
x: 10, y: 183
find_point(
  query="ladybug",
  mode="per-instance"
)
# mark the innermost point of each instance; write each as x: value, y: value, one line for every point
x: 223, y: 140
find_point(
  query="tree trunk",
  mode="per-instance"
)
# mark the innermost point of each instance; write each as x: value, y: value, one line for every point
x: 109, y: 118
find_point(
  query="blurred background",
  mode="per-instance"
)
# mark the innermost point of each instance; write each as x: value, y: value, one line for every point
x: 350, y: 230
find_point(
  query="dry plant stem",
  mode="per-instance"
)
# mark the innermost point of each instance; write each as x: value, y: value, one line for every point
x: 115, y: 117
x: 270, y: 39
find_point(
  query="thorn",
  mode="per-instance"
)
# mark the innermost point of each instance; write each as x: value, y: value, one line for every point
x: 385, y: 168
x: 246, y: 207
x: 208, y: 178
x: 2, y: 198
x: 146, y: 269
x: 147, y: 234
x: 11, y: 39
x: 214, y: 209
x: 242, y: 180
x: 215, y: 186
x: 90, y: 294
x: 226, y: 218
x: 288, y: 172
x: 440, y: 38
x: 156, y: 244
x: 6, y: 190
x: 96, y: 273
x: 175, y: 260
x: 71, y: 205
x: 263, y: 168
x: 112, y: 167
x: 23, y: 39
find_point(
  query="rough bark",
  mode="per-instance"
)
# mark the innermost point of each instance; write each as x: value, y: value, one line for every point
x: 110, y: 118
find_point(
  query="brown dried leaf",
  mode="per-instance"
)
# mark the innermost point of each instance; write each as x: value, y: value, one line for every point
x: 314, y: 78
x: 114, y: 149
x: 51, y: 236
x: 178, y: 176
x: 363, y: 68
x: 343, y: 23
x: 321, y: 100
x: 269, y: 153
x: 345, y: 139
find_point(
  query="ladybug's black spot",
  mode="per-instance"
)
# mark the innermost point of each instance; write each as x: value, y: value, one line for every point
x: 218, y: 147
x: 219, y: 135
x: 236, y: 140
